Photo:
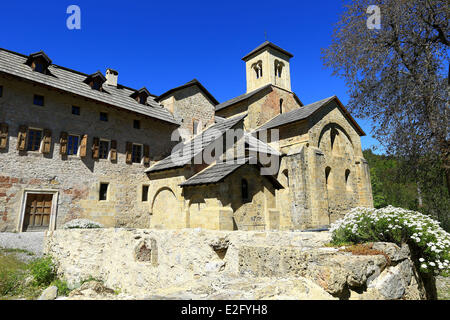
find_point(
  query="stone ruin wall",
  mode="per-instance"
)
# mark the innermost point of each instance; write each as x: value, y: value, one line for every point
x: 138, y: 261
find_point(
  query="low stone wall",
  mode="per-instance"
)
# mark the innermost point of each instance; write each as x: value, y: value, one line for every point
x: 222, y: 264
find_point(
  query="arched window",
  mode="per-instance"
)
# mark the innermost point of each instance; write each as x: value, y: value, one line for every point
x: 327, y: 175
x: 281, y: 106
x: 278, y: 68
x: 333, y: 135
x: 244, y: 189
x: 347, y: 179
x: 257, y: 67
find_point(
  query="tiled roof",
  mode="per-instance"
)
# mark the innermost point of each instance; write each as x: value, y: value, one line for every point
x: 72, y: 81
x: 306, y: 111
x: 195, y: 145
x: 268, y: 44
x: 220, y: 170
x: 241, y: 97
x: 214, y: 173
x: 257, y: 145
x: 295, y: 115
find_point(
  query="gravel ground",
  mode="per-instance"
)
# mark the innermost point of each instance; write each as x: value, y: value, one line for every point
x: 30, y: 241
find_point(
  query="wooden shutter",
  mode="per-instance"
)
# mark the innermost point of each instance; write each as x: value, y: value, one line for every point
x: 63, y: 143
x: 146, y: 155
x: 83, y: 146
x: 22, y: 138
x: 113, y: 150
x: 3, y: 135
x: 129, y: 158
x: 47, y: 141
x: 96, y: 148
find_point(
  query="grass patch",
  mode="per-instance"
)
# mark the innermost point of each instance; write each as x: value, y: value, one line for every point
x: 12, y: 271
x: 19, y: 279
x: 15, y: 250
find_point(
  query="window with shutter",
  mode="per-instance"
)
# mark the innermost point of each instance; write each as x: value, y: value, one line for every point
x: 83, y: 146
x: 34, y: 139
x: 72, y: 145
x: 129, y: 151
x: 95, y: 148
x: 103, y: 149
x: 146, y: 155
x: 3, y: 135
x: 113, y: 150
x: 22, y: 138
x: 137, y: 153
x: 47, y: 141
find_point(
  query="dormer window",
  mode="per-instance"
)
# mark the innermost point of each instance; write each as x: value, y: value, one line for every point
x: 257, y: 67
x: 39, y: 62
x: 278, y: 68
x: 95, y: 81
x: 141, y: 95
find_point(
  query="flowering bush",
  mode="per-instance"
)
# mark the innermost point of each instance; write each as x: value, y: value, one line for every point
x: 82, y: 224
x: 428, y: 241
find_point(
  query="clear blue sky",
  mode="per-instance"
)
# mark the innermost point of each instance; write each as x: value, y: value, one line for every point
x: 163, y: 44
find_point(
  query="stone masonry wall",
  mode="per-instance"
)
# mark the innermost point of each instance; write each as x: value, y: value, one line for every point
x: 190, y: 104
x: 75, y: 180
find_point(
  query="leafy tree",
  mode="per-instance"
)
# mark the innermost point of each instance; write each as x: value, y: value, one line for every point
x: 398, y: 76
x: 391, y: 186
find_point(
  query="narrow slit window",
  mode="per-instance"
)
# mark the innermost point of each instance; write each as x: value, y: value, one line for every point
x: 244, y: 189
x: 1, y: 91
x: 347, y: 175
x: 136, y: 124
x: 195, y: 126
x: 144, y: 193
x: 327, y: 174
x: 103, y: 194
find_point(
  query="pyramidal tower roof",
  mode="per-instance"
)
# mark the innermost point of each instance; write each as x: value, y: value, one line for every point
x: 265, y: 45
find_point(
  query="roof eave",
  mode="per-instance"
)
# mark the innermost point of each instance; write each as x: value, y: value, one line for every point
x: 263, y: 47
x: 194, y: 82
x: 88, y: 98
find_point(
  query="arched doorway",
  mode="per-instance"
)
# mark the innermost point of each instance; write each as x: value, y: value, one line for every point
x: 166, y: 211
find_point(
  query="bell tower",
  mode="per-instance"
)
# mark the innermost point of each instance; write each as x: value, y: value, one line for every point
x: 268, y: 64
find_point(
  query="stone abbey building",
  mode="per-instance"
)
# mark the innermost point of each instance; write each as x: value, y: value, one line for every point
x: 75, y: 145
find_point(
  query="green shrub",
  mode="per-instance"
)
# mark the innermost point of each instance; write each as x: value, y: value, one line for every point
x: 63, y: 288
x: 43, y: 271
x: 429, y: 243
